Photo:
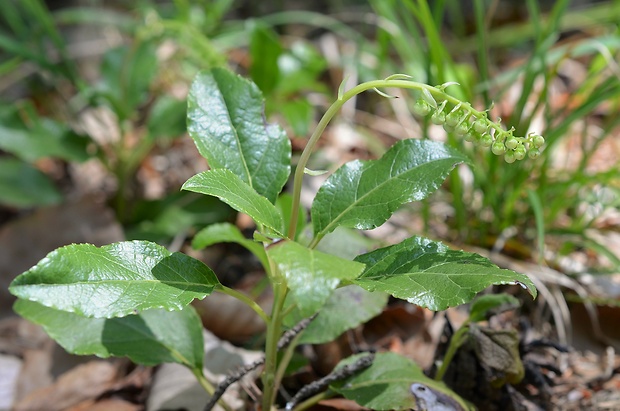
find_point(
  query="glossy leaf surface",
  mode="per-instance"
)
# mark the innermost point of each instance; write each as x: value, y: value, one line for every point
x: 115, y: 280
x: 311, y: 275
x: 386, y: 384
x: 429, y: 274
x: 364, y: 194
x: 225, y: 119
x: 151, y: 337
x: 228, y: 187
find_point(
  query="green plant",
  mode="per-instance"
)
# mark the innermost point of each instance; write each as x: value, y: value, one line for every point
x: 123, y: 115
x: 131, y: 298
x: 416, y: 31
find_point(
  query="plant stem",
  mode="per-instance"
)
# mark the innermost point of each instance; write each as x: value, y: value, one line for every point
x: 274, y: 330
x: 455, y: 342
x: 209, y: 388
x: 247, y: 300
x: 286, y: 359
x: 331, y: 112
x: 314, y: 400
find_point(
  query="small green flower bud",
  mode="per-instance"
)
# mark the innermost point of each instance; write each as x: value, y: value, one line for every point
x: 533, y: 153
x: 453, y: 118
x: 421, y: 108
x: 510, y: 157
x: 498, y: 148
x: 538, y: 141
x: 471, y: 137
x: 520, y: 152
x: 481, y: 126
x: 462, y: 128
x: 486, y: 140
x: 438, y: 118
x: 511, y: 143
x: 448, y: 127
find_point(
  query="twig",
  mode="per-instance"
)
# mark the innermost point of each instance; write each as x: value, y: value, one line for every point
x: 285, y: 340
x: 231, y: 379
x: 288, y: 336
x: 339, y: 374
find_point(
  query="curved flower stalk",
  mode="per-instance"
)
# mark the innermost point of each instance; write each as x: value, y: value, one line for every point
x: 454, y: 115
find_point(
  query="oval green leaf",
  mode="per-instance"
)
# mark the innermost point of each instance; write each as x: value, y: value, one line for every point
x: 150, y: 338
x: 429, y: 274
x: 364, y: 194
x: 115, y: 280
x: 386, y: 384
x: 229, y: 188
x: 226, y: 120
x: 330, y: 323
x: 311, y: 275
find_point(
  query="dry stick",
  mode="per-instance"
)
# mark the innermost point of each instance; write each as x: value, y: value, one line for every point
x: 285, y: 340
x: 339, y: 374
x: 288, y: 336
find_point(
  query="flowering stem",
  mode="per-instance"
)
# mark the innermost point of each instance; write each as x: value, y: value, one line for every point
x: 462, y: 110
x: 335, y: 107
x: 327, y: 117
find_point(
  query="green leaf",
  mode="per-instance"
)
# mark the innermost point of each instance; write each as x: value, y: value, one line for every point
x: 45, y: 138
x: 115, y: 280
x: 22, y: 185
x: 265, y: 49
x: 485, y: 303
x: 228, y: 233
x: 347, y: 243
x: 299, y: 115
x: 127, y: 72
x: 330, y: 323
x: 161, y: 220
x: 284, y: 203
x: 311, y: 275
x: 225, y: 119
x: 386, y: 384
x: 429, y: 274
x: 167, y: 118
x: 364, y: 194
x: 151, y: 337
x: 228, y: 187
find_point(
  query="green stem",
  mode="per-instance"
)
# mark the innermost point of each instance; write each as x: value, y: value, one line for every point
x: 314, y: 400
x: 209, y: 388
x: 274, y: 330
x: 244, y: 298
x: 331, y: 112
x: 455, y: 342
x: 286, y: 359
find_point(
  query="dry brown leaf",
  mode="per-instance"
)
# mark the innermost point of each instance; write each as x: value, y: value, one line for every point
x: 81, y: 383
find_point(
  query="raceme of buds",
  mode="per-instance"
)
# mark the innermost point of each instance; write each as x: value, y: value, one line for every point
x: 475, y: 127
